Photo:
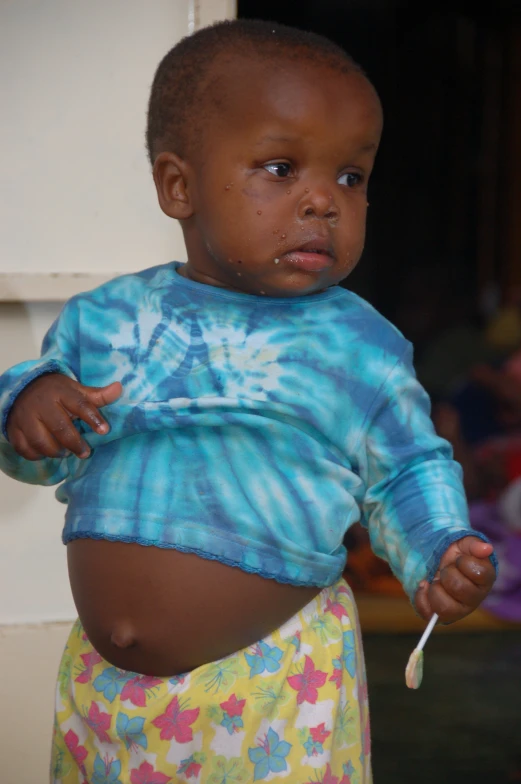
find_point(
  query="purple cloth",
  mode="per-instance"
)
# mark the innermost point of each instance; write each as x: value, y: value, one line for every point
x: 504, y: 601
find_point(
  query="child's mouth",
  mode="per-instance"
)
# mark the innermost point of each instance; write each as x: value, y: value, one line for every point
x: 313, y: 256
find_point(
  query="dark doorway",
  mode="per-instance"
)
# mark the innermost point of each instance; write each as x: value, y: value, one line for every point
x: 446, y: 192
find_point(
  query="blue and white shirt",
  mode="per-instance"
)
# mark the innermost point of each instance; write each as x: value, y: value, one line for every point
x: 252, y: 430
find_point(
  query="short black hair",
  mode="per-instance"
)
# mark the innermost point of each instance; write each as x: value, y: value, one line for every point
x: 177, y: 108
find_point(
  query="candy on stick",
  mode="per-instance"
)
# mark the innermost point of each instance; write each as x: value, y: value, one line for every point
x: 414, y: 669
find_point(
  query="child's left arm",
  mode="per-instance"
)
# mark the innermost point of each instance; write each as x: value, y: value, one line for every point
x: 415, y: 506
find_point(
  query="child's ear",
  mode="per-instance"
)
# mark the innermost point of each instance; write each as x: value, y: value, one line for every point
x: 170, y: 176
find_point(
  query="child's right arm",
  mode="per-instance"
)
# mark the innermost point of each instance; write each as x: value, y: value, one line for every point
x: 39, y: 400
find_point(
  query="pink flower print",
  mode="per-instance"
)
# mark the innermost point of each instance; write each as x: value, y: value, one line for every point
x: 362, y: 692
x: 193, y: 769
x: 190, y: 767
x: 89, y: 660
x: 319, y: 734
x: 232, y: 718
x: 336, y: 608
x: 308, y: 682
x: 146, y: 774
x: 78, y: 752
x: 99, y: 722
x: 136, y: 689
x: 328, y: 776
x: 233, y: 707
x: 175, y: 722
x: 336, y: 678
x: 367, y: 738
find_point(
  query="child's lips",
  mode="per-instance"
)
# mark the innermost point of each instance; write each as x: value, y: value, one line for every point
x: 308, y: 260
x: 312, y: 256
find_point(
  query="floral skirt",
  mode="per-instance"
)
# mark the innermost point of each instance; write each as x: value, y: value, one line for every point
x: 291, y: 708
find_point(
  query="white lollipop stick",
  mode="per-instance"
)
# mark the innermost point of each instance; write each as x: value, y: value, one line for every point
x: 426, y: 634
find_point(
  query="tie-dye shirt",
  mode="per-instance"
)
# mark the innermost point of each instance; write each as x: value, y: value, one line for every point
x: 252, y: 430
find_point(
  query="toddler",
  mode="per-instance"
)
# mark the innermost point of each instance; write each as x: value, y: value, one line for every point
x: 215, y: 428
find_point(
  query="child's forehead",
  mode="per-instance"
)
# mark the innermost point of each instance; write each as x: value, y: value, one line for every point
x: 293, y: 93
x: 233, y: 72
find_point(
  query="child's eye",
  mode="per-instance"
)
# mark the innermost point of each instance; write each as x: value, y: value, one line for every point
x: 350, y: 179
x: 279, y: 168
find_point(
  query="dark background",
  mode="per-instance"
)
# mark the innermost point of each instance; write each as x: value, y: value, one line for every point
x: 445, y: 195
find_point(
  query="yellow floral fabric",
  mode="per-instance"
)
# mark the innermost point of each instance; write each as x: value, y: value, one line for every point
x: 291, y: 708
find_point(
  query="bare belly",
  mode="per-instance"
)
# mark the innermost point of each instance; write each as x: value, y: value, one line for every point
x: 161, y: 612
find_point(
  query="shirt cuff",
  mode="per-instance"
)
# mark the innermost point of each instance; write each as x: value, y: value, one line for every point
x: 39, y: 369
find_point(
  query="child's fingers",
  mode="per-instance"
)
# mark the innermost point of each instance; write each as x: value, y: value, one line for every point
x: 83, y: 402
x: 461, y: 588
x: 22, y: 447
x: 421, y: 601
x: 471, y: 545
x: 78, y: 405
x: 480, y: 572
x: 60, y: 424
x: 103, y: 396
x: 481, y: 549
x: 442, y: 603
x: 42, y: 441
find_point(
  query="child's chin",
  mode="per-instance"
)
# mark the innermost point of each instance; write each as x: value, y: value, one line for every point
x: 304, y: 289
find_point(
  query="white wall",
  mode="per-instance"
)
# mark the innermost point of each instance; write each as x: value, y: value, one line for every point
x: 76, y: 188
x: 75, y: 196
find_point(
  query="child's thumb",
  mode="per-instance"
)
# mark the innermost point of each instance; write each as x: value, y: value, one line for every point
x: 103, y: 396
x: 471, y: 545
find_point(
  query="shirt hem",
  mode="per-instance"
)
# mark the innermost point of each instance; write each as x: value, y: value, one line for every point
x: 269, y: 574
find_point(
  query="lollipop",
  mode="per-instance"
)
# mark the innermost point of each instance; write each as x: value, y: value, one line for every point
x: 414, y: 669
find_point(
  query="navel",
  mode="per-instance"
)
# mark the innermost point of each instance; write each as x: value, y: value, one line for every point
x: 123, y: 636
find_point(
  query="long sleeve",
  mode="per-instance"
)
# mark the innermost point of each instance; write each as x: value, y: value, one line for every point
x: 414, y: 505
x: 59, y: 355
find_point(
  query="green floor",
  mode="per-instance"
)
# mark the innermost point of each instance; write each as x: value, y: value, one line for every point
x: 463, y: 726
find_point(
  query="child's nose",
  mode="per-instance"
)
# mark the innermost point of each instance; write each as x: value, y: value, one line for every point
x: 318, y: 202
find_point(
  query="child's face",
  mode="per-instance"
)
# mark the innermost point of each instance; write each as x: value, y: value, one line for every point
x: 279, y: 196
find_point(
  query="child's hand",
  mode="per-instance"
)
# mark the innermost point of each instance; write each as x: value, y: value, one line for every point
x: 463, y: 580
x: 40, y: 423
